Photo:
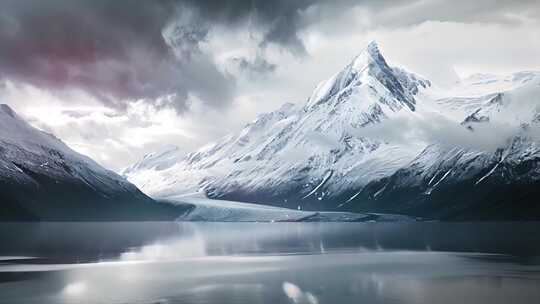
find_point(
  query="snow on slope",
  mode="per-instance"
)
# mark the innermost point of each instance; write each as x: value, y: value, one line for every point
x: 480, y: 84
x: 159, y: 160
x: 513, y: 115
x: 321, y: 151
x: 476, y: 90
x: 493, y: 175
x: 295, y: 147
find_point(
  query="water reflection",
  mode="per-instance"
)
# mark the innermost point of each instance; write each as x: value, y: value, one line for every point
x: 75, y: 289
x: 269, y: 263
x: 171, y: 250
x: 90, y: 242
x: 296, y: 295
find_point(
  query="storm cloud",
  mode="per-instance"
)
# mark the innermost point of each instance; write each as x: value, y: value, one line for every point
x: 113, y: 50
x: 121, y: 51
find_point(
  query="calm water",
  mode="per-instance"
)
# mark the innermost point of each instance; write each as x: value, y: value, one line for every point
x: 269, y: 263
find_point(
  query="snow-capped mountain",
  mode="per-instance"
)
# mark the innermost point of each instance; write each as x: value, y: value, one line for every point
x: 368, y: 139
x: 42, y: 178
x: 461, y: 182
x: 297, y: 148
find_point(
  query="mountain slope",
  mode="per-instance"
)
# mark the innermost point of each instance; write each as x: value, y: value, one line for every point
x: 43, y: 179
x: 374, y: 138
x: 288, y: 153
x: 462, y: 183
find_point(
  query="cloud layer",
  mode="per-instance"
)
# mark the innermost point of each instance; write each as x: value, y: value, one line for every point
x: 114, y: 50
x: 120, y: 51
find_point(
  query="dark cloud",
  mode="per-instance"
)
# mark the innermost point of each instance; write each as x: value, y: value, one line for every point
x: 284, y: 32
x: 254, y: 67
x: 114, y: 50
x: 118, y: 50
x: 279, y: 20
x: 137, y: 49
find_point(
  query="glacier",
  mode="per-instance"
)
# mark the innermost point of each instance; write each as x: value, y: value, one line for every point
x: 201, y: 208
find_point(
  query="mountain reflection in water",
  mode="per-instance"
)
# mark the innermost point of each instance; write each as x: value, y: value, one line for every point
x: 269, y: 263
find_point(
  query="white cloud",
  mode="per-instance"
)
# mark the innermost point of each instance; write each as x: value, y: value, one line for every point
x: 432, y: 127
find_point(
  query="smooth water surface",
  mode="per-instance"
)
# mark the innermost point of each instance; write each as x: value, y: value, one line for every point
x: 270, y: 263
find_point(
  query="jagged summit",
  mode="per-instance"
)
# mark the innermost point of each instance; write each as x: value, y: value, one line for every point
x: 370, y: 71
x: 369, y: 54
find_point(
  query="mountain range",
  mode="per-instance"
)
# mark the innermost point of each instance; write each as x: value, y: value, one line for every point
x: 373, y: 139
x: 376, y: 138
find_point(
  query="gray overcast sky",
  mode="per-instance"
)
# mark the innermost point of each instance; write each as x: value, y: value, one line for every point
x: 118, y: 79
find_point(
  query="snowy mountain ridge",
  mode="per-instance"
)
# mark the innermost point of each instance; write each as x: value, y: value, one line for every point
x: 365, y: 135
x: 18, y: 138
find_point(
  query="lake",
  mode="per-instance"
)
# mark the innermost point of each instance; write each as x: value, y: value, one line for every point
x: 416, y: 262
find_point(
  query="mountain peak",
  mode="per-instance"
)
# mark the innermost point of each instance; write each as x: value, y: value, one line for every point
x: 370, y: 70
x: 368, y: 56
x: 373, y: 48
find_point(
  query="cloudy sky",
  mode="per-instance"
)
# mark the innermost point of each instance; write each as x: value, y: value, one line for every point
x: 118, y: 79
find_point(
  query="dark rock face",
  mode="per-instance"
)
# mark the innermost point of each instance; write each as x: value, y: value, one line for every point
x: 49, y: 199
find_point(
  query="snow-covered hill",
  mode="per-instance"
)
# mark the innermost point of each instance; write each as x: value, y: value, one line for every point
x: 369, y: 137
x: 42, y: 178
